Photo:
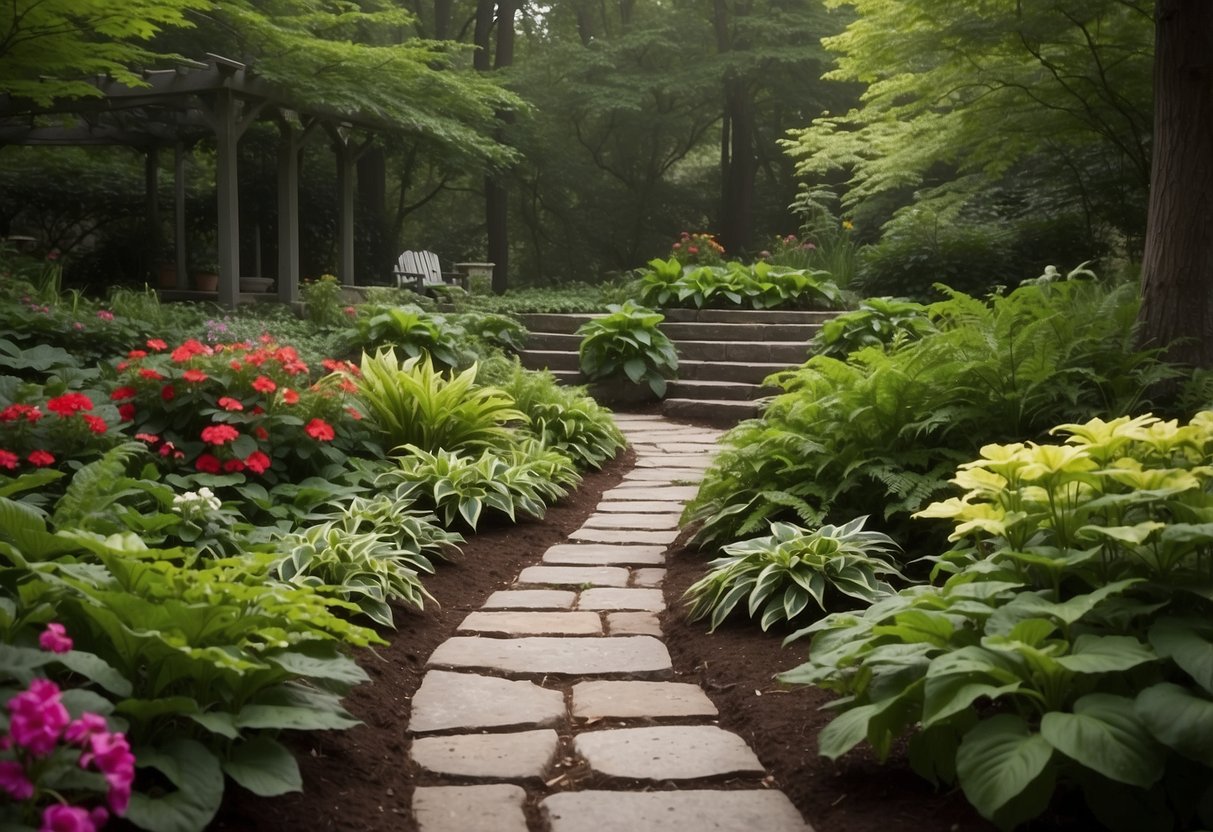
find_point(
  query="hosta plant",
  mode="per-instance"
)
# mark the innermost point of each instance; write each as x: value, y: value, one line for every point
x: 412, y: 403
x: 626, y: 343
x: 667, y: 283
x: 1069, y: 647
x: 877, y: 322
x: 412, y: 331
x: 782, y: 572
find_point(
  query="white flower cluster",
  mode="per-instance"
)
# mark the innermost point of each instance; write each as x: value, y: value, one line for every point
x: 201, y: 499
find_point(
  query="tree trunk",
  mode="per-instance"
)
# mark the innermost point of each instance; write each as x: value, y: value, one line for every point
x: 496, y: 196
x: 442, y: 19
x: 1177, y: 266
x: 737, y: 179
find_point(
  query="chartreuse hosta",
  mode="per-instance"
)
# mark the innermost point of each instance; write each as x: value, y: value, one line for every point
x: 1070, y: 646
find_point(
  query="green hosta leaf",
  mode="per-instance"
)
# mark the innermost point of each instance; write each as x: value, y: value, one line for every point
x: 264, y: 767
x: 1178, y: 719
x: 1106, y: 735
x: 222, y: 723
x: 1105, y: 654
x: 1186, y: 642
x: 299, y: 718
x: 1000, y: 760
x: 635, y: 369
x: 1133, y: 535
x: 336, y: 667
x: 194, y: 770
x: 657, y: 384
x: 96, y: 670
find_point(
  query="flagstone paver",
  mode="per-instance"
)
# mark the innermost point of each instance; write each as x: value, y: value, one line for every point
x: 528, y: 623
x: 652, y: 522
x: 638, y: 657
x: 466, y: 701
x: 611, y: 598
x: 701, y: 810
x: 495, y: 808
x: 574, y: 575
x: 633, y: 624
x: 603, y: 554
x: 622, y: 700
x: 604, y: 643
x: 624, y: 536
x: 523, y: 755
x: 531, y: 599
x: 673, y: 752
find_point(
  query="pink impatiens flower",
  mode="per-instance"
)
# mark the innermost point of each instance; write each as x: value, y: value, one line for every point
x: 37, y: 717
x: 14, y: 782
x: 61, y: 818
x: 55, y: 639
x: 111, y: 754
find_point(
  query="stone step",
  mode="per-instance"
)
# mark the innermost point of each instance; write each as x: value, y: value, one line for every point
x: 790, y: 353
x: 750, y: 316
x: 552, y: 322
x: 534, y: 359
x: 731, y: 390
x: 714, y: 331
x: 716, y: 411
x: 751, y: 372
x: 563, y: 341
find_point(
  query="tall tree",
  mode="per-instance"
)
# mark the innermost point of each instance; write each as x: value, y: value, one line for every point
x: 1177, y: 269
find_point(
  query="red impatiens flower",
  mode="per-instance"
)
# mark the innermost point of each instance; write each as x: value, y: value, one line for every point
x: 294, y: 367
x: 10, y: 460
x: 263, y: 384
x: 69, y: 403
x: 189, y: 349
x: 289, y: 396
x: 135, y: 355
x: 348, y: 386
x: 126, y: 412
x: 168, y: 392
x: 230, y: 404
x: 219, y: 434
x: 354, y: 412
x: 319, y: 430
x: 233, y: 466
x: 95, y: 423
x: 257, y: 462
x: 169, y: 449
x: 41, y: 458
x: 18, y: 410
x: 257, y: 410
x: 208, y: 464
x: 235, y: 365
x: 149, y: 373
x: 194, y: 375
x: 123, y: 393
x: 149, y: 438
x: 156, y: 344
x: 261, y: 433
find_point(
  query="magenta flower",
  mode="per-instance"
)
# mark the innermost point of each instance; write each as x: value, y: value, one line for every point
x: 54, y: 638
x: 60, y: 818
x: 14, y: 781
x: 112, y: 756
x: 78, y: 732
x: 37, y: 717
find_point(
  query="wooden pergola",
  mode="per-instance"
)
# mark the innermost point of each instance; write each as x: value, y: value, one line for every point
x: 176, y: 109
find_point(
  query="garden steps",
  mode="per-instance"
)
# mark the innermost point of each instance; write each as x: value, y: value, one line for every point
x: 515, y: 706
x: 724, y: 355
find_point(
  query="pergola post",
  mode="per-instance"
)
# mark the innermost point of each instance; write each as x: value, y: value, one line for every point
x: 179, y: 214
x: 346, y: 162
x: 227, y: 197
x: 288, y: 213
x: 151, y: 193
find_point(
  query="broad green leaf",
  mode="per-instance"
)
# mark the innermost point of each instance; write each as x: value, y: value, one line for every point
x: 194, y: 770
x: 222, y: 723
x: 1105, y: 654
x: 96, y: 670
x: 1106, y: 735
x: 998, y: 760
x: 294, y: 717
x: 264, y: 767
x: 1178, y: 719
x: 1186, y: 642
x: 337, y: 668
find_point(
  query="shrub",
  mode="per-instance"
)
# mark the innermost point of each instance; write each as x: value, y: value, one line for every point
x: 413, y: 331
x: 1070, y: 641
x: 411, y: 403
x: 627, y: 343
x: 668, y: 284
x: 698, y: 249
x: 877, y: 322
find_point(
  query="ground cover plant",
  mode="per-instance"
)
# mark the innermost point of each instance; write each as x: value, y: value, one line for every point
x: 627, y: 343
x: 1075, y: 606
x: 879, y: 433
x: 761, y: 285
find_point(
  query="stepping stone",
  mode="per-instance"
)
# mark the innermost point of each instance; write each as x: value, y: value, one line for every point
x: 610, y: 598
x: 641, y: 506
x: 633, y: 624
x: 495, y: 808
x: 666, y: 461
x: 625, y: 700
x: 639, y: 657
x: 622, y: 536
x: 670, y: 752
x: 698, y: 809
x: 533, y: 623
x: 636, y: 490
x: 531, y: 599
x: 652, y: 522
x: 518, y: 756
x: 688, y: 447
x: 467, y: 702
x: 664, y: 475
x: 648, y: 577
x: 590, y: 554
x: 574, y: 575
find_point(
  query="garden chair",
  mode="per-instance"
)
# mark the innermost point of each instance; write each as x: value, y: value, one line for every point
x: 421, y: 272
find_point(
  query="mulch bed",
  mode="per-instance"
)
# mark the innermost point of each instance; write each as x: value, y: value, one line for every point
x: 360, y: 780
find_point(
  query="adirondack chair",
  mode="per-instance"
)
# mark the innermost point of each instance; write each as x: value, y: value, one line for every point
x: 421, y: 272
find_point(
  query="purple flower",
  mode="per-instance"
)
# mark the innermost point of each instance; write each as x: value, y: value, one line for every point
x: 60, y: 818
x: 54, y: 638
x: 14, y: 781
x: 37, y: 717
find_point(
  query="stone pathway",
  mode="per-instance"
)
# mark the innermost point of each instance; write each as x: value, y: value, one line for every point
x: 563, y: 678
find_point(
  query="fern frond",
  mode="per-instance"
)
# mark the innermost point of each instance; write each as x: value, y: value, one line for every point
x: 94, y: 486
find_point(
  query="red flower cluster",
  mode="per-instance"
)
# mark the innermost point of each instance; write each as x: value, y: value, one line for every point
x: 69, y: 403
x: 320, y: 430
x: 13, y: 412
x: 219, y: 434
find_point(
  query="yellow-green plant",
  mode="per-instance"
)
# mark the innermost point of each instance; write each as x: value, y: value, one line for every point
x: 412, y: 403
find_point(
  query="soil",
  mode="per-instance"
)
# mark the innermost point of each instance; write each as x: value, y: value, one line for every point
x: 361, y: 780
